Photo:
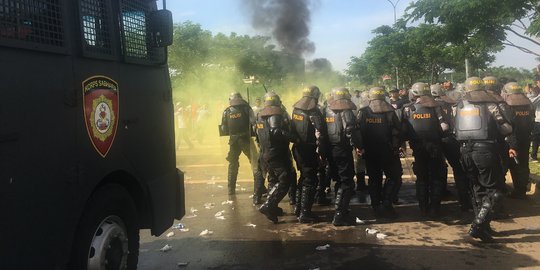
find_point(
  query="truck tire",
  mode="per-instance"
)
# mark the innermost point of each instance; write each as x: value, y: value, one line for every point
x: 108, y: 233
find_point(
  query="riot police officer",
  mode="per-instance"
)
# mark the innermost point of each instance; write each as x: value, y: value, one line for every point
x: 343, y: 136
x: 381, y: 139
x: 424, y: 126
x: 493, y: 87
x: 450, y: 148
x: 273, y: 135
x: 478, y: 124
x: 236, y: 122
x: 310, y: 130
x: 522, y: 119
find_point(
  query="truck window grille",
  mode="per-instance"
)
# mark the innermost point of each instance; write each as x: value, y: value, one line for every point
x: 37, y: 22
x: 95, y: 26
x: 135, y: 31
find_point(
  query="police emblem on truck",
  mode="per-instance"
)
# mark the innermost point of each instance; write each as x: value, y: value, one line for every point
x: 100, y: 99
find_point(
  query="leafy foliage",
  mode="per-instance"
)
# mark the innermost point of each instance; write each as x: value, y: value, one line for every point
x: 489, y: 21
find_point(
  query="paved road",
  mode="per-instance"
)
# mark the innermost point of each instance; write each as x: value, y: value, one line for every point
x: 244, y: 239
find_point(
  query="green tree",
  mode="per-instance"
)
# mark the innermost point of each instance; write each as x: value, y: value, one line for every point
x: 487, y: 21
x: 421, y: 53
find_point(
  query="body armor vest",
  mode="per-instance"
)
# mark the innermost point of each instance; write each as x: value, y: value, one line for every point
x: 375, y: 128
x: 472, y: 122
x: 425, y: 124
x: 301, y: 124
x: 263, y: 133
x: 522, y: 121
x: 334, y: 124
x: 274, y: 147
x: 238, y: 120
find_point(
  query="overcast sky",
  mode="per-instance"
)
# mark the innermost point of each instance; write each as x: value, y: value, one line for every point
x: 340, y: 29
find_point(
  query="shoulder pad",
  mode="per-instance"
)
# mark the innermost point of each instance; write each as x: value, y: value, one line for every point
x: 306, y: 104
x: 380, y: 106
x: 271, y: 110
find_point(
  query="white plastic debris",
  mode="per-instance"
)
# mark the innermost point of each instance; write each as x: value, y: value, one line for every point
x: 209, y: 205
x: 251, y: 225
x: 191, y: 216
x: 220, y: 213
x: 206, y: 232
x: 184, y: 230
x: 251, y: 196
x: 221, y: 217
x: 227, y: 202
x: 220, y: 186
x: 381, y: 236
x: 166, y: 248
x: 237, y: 185
x: 182, y: 264
x: 193, y: 210
x: 325, y: 247
x: 371, y: 231
x: 360, y: 222
x: 171, y: 234
x: 243, y: 189
x: 179, y: 226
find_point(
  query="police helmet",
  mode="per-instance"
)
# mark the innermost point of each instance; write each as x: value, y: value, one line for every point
x: 271, y: 99
x: 473, y: 84
x: 513, y: 88
x: 437, y: 90
x: 491, y: 83
x: 341, y: 93
x: 235, y: 95
x: 311, y: 91
x: 376, y: 93
x: 420, y: 89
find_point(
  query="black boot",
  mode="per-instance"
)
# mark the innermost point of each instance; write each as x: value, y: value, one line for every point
x: 422, y: 197
x: 298, y: 206
x: 342, y: 217
x: 270, y: 208
x: 480, y: 232
x: 308, y: 195
x: 292, y: 191
x: 258, y: 188
x: 361, y: 181
x: 320, y: 197
x: 231, y: 179
x: 481, y: 222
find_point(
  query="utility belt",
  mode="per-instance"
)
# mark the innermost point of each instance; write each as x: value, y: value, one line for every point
x: 469, y: 145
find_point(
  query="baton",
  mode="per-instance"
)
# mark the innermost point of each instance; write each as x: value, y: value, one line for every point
x: 516, y: 160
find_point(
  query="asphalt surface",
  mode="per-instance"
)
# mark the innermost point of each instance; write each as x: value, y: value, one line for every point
x: 242, y: 238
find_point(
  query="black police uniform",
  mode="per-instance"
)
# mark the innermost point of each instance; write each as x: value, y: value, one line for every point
x: 478, y: 125
x: 307, y: 120
x: 237, y: 122
x: 343, y: 135
x: 422, y: 127
x: 273, y: 135
x: 381, y: 139
x: 502, y: 144
x: 522, y: 119
x: 451, y: 152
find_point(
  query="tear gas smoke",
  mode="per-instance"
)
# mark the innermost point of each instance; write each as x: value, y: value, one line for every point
x: 287, y: 21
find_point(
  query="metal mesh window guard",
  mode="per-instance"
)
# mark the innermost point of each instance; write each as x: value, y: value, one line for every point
x: 37, y: 22
x: 135, y: 31
x: 95, y: 26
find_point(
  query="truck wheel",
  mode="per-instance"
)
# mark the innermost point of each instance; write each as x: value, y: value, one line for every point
x: 108, y: 233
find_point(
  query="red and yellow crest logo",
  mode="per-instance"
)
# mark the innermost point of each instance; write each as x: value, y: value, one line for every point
x: 100, y: 99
